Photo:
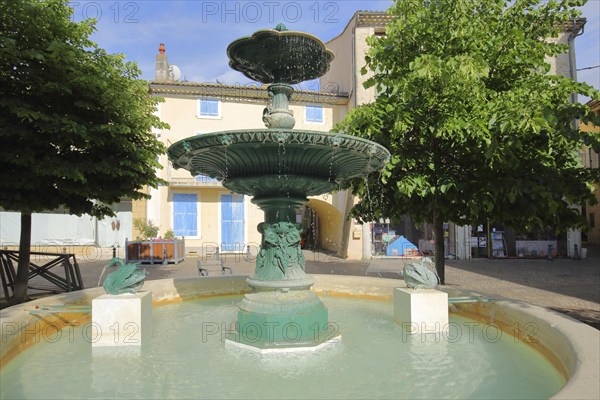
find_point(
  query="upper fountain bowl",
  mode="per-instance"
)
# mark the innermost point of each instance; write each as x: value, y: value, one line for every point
x: 279, y: 56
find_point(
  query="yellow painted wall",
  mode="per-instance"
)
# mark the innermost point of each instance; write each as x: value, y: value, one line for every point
x: 559, y: 65
x: 363, y: 95
x: 342, y: 68
x: 339, y: 76
x: 209, y: 224
x: 592, y: 159
x: 138, y: 211
x: 180, y: 112
x: 330, y: 224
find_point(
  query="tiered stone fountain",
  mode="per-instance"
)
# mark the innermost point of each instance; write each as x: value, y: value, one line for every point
x: 279, y: 167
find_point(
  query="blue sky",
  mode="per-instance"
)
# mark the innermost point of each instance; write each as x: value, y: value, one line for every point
x: 197, y: 32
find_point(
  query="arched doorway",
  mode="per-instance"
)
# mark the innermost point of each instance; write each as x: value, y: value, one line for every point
x: 323, y: 224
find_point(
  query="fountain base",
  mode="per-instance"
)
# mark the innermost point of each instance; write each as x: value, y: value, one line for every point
x: 122, y: 319
x: 421, y: 310
x: 282, y: 320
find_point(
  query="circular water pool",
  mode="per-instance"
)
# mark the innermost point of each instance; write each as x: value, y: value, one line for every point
x: 186, y: 357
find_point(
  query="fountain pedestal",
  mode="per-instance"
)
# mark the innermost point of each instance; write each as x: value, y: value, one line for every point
x: 283, y: 312
x: 121, y: 319
x: 280, y: 262
x: 421, y: 310
x: 282, y: 319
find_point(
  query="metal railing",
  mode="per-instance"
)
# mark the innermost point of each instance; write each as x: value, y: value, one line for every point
x: 71, y: 280
x: 199, y: 181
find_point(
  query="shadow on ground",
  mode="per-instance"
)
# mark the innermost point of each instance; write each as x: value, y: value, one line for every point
x: 574, y: 278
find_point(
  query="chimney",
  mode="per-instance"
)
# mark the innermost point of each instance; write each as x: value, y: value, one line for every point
x: 162, y: 66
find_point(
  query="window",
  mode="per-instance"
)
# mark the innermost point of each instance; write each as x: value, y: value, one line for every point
x: 314, y: 114
x: 209, y: 108
x: 592, y: 218
x: 185, y: 214
x: 205, y: 179
x: 203, y: 167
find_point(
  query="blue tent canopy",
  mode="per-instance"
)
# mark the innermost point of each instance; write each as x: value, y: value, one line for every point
x: 398, y: 246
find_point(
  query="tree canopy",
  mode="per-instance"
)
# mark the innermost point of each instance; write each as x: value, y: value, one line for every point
x: 478, y: 126
x: 75, y: 122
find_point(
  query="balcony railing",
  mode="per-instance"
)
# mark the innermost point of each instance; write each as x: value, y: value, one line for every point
x: 198, y: 181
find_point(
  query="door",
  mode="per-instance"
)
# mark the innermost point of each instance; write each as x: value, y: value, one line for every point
x: 232, y: 222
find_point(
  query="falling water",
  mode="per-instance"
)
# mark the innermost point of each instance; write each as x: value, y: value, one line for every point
x: 281, y: 167
x: 380, y: 190
x: 226, y: 164
x: 335, y: 143
x: 366, y: 180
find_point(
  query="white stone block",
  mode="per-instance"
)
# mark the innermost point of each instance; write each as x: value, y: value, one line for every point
x: 121, y: 320
x: 421, y: 310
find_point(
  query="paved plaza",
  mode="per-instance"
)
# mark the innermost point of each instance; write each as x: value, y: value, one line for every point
x: 565, y: 285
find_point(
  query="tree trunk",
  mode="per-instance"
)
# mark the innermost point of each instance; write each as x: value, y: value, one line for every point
x: 438, y: 237
x: 489, y: 240
x: 20, y: 293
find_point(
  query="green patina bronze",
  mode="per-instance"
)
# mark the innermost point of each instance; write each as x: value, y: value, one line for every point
x: 279, y: 56
x: 128, y: 278
x: 279, y: 167
x: 419, y: 275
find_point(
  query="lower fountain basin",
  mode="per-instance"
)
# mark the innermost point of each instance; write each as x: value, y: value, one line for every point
x: 570, y: 346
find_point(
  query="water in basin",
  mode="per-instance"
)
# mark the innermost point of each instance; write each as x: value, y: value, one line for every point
x: 186, y: 358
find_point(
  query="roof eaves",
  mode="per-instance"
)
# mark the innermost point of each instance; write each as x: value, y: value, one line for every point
x: 239, y: 92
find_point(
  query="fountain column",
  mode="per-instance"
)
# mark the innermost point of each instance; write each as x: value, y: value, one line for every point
x: 282, y: 312
x: 278, y: 115
x: 280, y: 262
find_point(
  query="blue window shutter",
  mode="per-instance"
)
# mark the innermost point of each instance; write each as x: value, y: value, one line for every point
x: 209, y: 107
x: 213, y: 107
x: 185, y: 214
x: 232, y: 222
x: 238, y: 209
x: 314, y: 113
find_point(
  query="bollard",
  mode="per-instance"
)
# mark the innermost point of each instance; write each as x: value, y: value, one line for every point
x: 550, y: 247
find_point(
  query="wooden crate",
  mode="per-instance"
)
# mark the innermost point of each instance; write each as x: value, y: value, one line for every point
x: 155, y: 251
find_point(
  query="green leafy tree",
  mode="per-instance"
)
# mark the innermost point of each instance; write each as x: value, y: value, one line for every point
x: 75, y: 122
x: 477, y: 126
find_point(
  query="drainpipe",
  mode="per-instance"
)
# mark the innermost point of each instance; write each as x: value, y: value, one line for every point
x: 354, y: 94
x: 349, y: 198
x: 573, y: 236
x: 571, y: 44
